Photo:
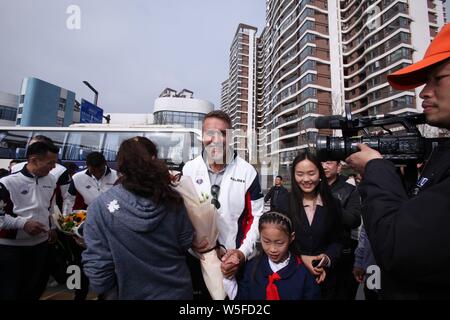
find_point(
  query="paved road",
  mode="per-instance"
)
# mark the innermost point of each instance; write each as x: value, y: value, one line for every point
x: 60, y: 292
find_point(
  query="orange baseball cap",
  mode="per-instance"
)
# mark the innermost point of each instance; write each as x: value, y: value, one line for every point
x: 416, y: 74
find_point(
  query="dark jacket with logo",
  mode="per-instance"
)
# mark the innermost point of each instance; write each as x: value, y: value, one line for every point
x: 410, y: 236
x: 348, y: 196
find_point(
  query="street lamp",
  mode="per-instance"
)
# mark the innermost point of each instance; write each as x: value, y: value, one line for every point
x: 108, y: 117
x: 93, y: 89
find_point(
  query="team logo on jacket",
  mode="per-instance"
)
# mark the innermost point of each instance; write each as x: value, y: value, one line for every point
x: 113, y: 206
x: 24, y: 192
x: 88, y: 187
x: 199, y: 180
x: 422, y: 182
x: 237, y: 180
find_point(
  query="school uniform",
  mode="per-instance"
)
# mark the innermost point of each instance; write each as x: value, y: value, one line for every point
x: 263, y: 281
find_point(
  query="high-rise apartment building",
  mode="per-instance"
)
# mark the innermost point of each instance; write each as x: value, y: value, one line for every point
x: 378, y: 38
x: 314, y: 57
x: 224, y: 97
x: 297, y: 78
x: 239, y: 91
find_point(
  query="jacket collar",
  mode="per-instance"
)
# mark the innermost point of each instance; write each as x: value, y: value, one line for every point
x: 339, y: 180
x: 285, y: 272
x: 27, y: 173
x: 107, y: 171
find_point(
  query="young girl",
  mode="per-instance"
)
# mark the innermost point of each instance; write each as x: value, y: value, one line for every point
x: 317, y: 220
x: 276, y: 273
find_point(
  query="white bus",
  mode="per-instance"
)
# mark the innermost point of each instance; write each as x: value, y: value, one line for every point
x: 176, y: 144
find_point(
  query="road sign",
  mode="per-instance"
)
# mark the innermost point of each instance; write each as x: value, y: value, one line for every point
x: 90, y: 113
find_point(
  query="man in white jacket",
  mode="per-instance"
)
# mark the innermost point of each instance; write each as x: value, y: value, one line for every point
x: 25, y: 199
x: 232, y: 185
x: 59, y: 172
x: 88, y: 184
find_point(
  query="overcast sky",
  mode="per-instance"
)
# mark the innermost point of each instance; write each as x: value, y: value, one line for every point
x: 129, y: 50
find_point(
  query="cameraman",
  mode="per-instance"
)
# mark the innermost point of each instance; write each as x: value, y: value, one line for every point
x: 410, y: 235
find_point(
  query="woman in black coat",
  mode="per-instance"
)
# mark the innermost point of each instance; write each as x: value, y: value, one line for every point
x: 317, y: 219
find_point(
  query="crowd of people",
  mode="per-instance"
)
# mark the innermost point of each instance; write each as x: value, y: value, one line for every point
x: 311, y: 244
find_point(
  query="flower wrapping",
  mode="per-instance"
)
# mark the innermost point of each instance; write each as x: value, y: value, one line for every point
x: 203, y: 216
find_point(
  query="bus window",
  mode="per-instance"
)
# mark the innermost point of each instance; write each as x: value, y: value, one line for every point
x: 80, y: 144
x: 113, y: 141
x: 170, y: 145
x: 13, y: 144
x: 58, y: 138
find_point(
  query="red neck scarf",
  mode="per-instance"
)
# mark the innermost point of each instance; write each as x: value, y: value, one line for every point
x: 271, y: 289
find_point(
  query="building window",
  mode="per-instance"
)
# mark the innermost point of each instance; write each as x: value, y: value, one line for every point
x: 8, y: 113
x: 62, y: 104
x: 18, y: 121
x: 22, y: 98
x: 20, y: 110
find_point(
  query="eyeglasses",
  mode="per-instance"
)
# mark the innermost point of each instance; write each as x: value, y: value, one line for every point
x: 215, y: 195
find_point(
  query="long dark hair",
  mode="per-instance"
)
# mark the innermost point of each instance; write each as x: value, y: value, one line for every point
x: 143, y: 174
x: 296, y: 210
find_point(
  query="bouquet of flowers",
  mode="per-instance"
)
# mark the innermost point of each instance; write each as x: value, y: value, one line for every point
x: 203, y: 216
x: 71, y: 224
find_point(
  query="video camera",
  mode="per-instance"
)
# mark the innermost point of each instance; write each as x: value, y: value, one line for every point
x: 408, y: 147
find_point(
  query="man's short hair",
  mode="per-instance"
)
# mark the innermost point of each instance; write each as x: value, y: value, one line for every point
x: 40, y: 149
x: 95, y: 159
x: 219, y: 114
x: 42, y: 138
x: 281, y: 178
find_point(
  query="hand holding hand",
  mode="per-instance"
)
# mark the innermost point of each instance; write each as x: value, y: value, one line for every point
x: 231, y: 262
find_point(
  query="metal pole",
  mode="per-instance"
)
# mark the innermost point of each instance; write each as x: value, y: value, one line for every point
x: 93, y: 89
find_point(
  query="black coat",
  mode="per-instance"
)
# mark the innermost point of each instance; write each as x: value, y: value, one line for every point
x: 410, y: 237
x: 349, y: 198
x: 279, y: 199
x: 321, y: 236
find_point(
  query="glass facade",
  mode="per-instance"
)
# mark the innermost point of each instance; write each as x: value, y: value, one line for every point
x: 186, y: 119
x: 8, y: 113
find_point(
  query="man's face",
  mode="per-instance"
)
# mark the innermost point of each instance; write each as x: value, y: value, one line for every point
x: 436, y: 96
x: 97, y: 172
x: 44, y: 164
x: 278, y: 182
x: 214, y: 139
x: 331, y: 169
